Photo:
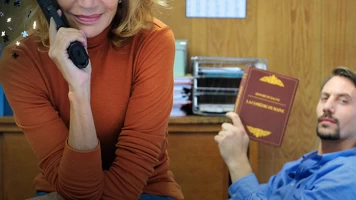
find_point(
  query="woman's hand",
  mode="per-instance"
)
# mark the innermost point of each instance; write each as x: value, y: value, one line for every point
x: 77, y: 79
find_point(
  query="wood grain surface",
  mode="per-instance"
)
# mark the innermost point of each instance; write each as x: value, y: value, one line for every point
x: 301, y: 38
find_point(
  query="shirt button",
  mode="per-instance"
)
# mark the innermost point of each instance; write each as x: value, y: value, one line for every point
x: 292, y: 184
x: 234, y: 196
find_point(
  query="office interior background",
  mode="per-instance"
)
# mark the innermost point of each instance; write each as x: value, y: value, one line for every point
x: 300, y: 38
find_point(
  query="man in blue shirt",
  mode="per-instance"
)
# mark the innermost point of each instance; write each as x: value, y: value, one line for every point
x: 328, y: 173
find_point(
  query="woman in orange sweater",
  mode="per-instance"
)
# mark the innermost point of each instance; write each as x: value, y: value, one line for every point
x: 98, y: 132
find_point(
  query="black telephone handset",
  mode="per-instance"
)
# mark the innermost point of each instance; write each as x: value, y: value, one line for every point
x: 76, y: 50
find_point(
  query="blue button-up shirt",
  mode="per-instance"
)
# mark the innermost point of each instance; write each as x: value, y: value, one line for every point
x: 329, y: 176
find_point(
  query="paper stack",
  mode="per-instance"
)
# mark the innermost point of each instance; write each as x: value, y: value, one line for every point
x: 182, y: 96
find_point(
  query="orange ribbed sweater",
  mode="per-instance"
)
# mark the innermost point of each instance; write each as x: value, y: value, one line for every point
x: 131, y: 99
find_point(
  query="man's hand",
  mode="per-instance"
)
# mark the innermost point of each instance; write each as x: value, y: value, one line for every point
x: 233, y: 144
x: 232, y: 140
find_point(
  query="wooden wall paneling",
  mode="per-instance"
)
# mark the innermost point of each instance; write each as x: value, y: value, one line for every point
x: 176, y: 19
x: 304, y: 63
x: 272, y: 31
x: 199, y: 40
x: 195, y: 159
x: 197, y: 165
x: 302, y: 38
x: 338, y: 31
x: 217, y: 37
x: 350, y: 36
x: 333, y: 35
x: 253, y: 157
x: 214, y: 37
x: 226, y: 37
x: 289, y: 37
x: 19, y: 168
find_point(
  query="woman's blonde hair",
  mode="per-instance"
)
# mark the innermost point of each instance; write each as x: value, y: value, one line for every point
x: 132, y: 16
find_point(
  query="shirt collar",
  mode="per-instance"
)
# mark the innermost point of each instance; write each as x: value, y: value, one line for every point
x: 100, y: 39
x: 329, y: 156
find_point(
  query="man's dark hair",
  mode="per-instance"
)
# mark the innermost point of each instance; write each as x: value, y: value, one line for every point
x: 344, y: 72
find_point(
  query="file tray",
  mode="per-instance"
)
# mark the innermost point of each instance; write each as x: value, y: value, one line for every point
x: 216, y: 82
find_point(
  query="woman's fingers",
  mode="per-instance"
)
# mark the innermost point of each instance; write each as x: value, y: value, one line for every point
x: 52, y: 31
x: 62, y: 40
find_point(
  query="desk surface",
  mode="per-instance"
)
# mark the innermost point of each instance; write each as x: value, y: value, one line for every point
x: 7, y: 124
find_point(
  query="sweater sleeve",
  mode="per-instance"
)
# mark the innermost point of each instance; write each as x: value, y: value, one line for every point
x: 45, y: 131
x: 141, y: 141
x: 144, y: 133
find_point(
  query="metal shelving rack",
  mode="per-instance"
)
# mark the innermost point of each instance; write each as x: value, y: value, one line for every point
x: 216, y: 82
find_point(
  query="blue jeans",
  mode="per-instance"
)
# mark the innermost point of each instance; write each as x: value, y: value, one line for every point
x: 142, y: 197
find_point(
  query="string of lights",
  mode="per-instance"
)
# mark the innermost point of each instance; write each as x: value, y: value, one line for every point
x: 14, y: 24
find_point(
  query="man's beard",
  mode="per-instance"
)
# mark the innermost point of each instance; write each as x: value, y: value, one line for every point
x: 331, y: 135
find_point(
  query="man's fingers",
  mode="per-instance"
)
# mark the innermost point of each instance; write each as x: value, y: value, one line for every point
x: 221, y: 135
x: 222, y: 132
x: 218, y: 138
x: 228, y: 127
x: 234, y: 118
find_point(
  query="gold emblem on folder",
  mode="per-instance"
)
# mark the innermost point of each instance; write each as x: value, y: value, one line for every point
x: 257, y: 132
x: 273, y: 80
